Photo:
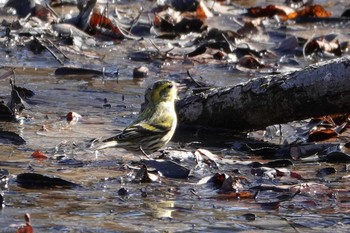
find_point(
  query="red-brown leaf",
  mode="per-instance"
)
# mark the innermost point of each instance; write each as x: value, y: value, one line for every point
x: 28, y: 227
x: 39, y: 155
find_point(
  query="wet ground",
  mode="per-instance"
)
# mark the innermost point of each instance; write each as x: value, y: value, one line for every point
x: 97, y: 203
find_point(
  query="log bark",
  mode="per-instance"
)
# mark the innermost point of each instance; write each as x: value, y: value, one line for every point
x: 317, y: 90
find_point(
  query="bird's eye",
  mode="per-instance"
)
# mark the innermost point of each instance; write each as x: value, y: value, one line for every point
x: 170, y: 86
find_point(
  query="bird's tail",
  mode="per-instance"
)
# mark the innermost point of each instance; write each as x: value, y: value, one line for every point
x: 104, y: 145
x: 99, y: 143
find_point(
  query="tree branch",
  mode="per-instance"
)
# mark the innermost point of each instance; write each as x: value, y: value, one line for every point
x: 320, y: 89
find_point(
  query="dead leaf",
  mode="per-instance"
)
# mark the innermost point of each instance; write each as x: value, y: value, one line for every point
x: 310, y: 11
x: 202, y: 11
x: 250, y: 28
x: 73, y: 118
x: 169, y: 169
x: 250, y: 62
x: 217, y: 180
x: 310, y: 188
x: 235, y: 195
x: 28, y: 227
x: 175, y: 21
x: 142, y: 176
x: 35, y: 180
x: 39, y: 155
x: 321, y: 135
x: 270, y: 11
x: 275, y: 205
x: 322, y: 45
x: 98, y: 20
x: 7, y: 137
x: 325, y: 171
x: 207, y: 156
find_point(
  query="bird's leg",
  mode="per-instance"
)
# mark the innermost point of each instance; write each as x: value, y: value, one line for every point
x: 144, y: 153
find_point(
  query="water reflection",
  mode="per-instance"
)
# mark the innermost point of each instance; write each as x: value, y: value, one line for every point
x: 96, y: 206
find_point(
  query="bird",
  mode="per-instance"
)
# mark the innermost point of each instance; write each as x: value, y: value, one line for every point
x: 155, y: 125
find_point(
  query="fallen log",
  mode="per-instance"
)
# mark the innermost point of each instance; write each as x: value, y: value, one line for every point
x: 317, y: 90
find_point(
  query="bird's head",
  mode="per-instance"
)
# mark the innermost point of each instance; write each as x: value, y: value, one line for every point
x: 163, y: 91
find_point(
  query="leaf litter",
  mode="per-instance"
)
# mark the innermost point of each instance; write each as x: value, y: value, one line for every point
x: 280, y: 169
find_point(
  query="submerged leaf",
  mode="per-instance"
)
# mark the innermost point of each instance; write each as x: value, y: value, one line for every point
x: 6, y: 113
x: 326, y: 171
x: 35, y: 180
x: 24, y: 92
x: 275, y: 205
x: 63, y: 71
x: 279, y: 163
x: 169, y: 169
x: 336, y: 157
x: 7, y: 137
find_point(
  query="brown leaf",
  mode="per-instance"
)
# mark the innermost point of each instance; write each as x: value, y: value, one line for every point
x: 250, y: 62
x: 73, y: 118
x: 217, y: 180
x: 250, y: 28
x: 321, y: 135
x: 321, y: 45
x: 174, y: 21
x: 339, y: 119
x: 310, y: 11
x: 270, y: 11
x: 202, y: 11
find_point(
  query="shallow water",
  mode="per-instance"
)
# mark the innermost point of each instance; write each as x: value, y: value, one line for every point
x: 170, y: 204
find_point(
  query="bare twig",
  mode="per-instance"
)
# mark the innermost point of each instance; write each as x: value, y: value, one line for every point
x: 136, y: 20
x: 51, y: 43
x: 161, y: 53
x: 7, y: 74
x: 50, y: 51
x: 197, y: 83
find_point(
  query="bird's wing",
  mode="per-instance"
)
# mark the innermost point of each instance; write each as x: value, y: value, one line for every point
x: 141, y: 129
x: 138, y: 131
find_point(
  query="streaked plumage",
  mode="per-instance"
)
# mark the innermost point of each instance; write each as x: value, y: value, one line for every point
x: 155, y: 125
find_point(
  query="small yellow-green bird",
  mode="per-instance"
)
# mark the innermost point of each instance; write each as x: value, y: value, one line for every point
x: 155, y: 125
